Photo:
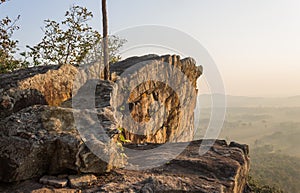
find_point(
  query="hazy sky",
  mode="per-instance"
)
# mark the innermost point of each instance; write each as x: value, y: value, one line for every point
x: 255, y: 43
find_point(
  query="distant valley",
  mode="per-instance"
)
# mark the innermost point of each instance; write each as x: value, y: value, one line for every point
x: 271, y: 127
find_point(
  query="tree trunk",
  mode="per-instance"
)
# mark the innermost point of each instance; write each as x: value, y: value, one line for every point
x: 105, y: 41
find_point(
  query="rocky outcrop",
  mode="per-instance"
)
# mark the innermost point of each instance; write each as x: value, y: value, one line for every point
x: 49, y: 85
x: 223, y: 169
x: 153, y: 97
x: 44, y: 130
x: 53, y: 85
x: 54, y: 133
x: 160, y: 93
x: 43, y: 140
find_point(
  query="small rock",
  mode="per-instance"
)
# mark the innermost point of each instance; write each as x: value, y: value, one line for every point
x: 62, y: 176
x: 54, y: 181
x: 63, y: 190
x: 243, y: 147
x: 77, y: 181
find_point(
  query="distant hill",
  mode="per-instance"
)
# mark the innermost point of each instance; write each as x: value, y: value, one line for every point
x: 244, y: 101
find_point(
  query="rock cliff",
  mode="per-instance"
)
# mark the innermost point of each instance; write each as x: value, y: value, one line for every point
x: 40, y: 132
x: 161, y: 99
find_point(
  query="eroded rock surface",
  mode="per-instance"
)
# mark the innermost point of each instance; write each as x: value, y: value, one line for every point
x: 171, y: 97
x: 223, y: 169
x: 43, y: 140
x: 39, y: 85
x: 160, y: 94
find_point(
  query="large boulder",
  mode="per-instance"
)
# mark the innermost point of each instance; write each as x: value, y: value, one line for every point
x: 44, y: 139
x: 47, y: 85
x: 153, y: 97
x: 159, y: 94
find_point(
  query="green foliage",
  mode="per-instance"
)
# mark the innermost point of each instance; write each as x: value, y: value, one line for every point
x: 70, y: 41
x: 257, y: 187
x: 122, y: 138
x: 275, y: 169
x: 96, y: 52
x: 67, y: 41
x: 8, y: 47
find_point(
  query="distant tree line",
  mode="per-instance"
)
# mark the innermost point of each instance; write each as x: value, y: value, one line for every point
x: 71, y: 41
x: 273, y: 170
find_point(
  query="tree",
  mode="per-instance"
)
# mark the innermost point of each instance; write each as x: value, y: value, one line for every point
x: 105, y: 41
x: 66, y: 42
x: 96, y: 53
x: 8, y: 46
x: 72, y: 41
x: 257, y: 187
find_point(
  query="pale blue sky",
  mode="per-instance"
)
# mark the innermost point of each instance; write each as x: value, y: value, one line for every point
x: 255, y: 43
